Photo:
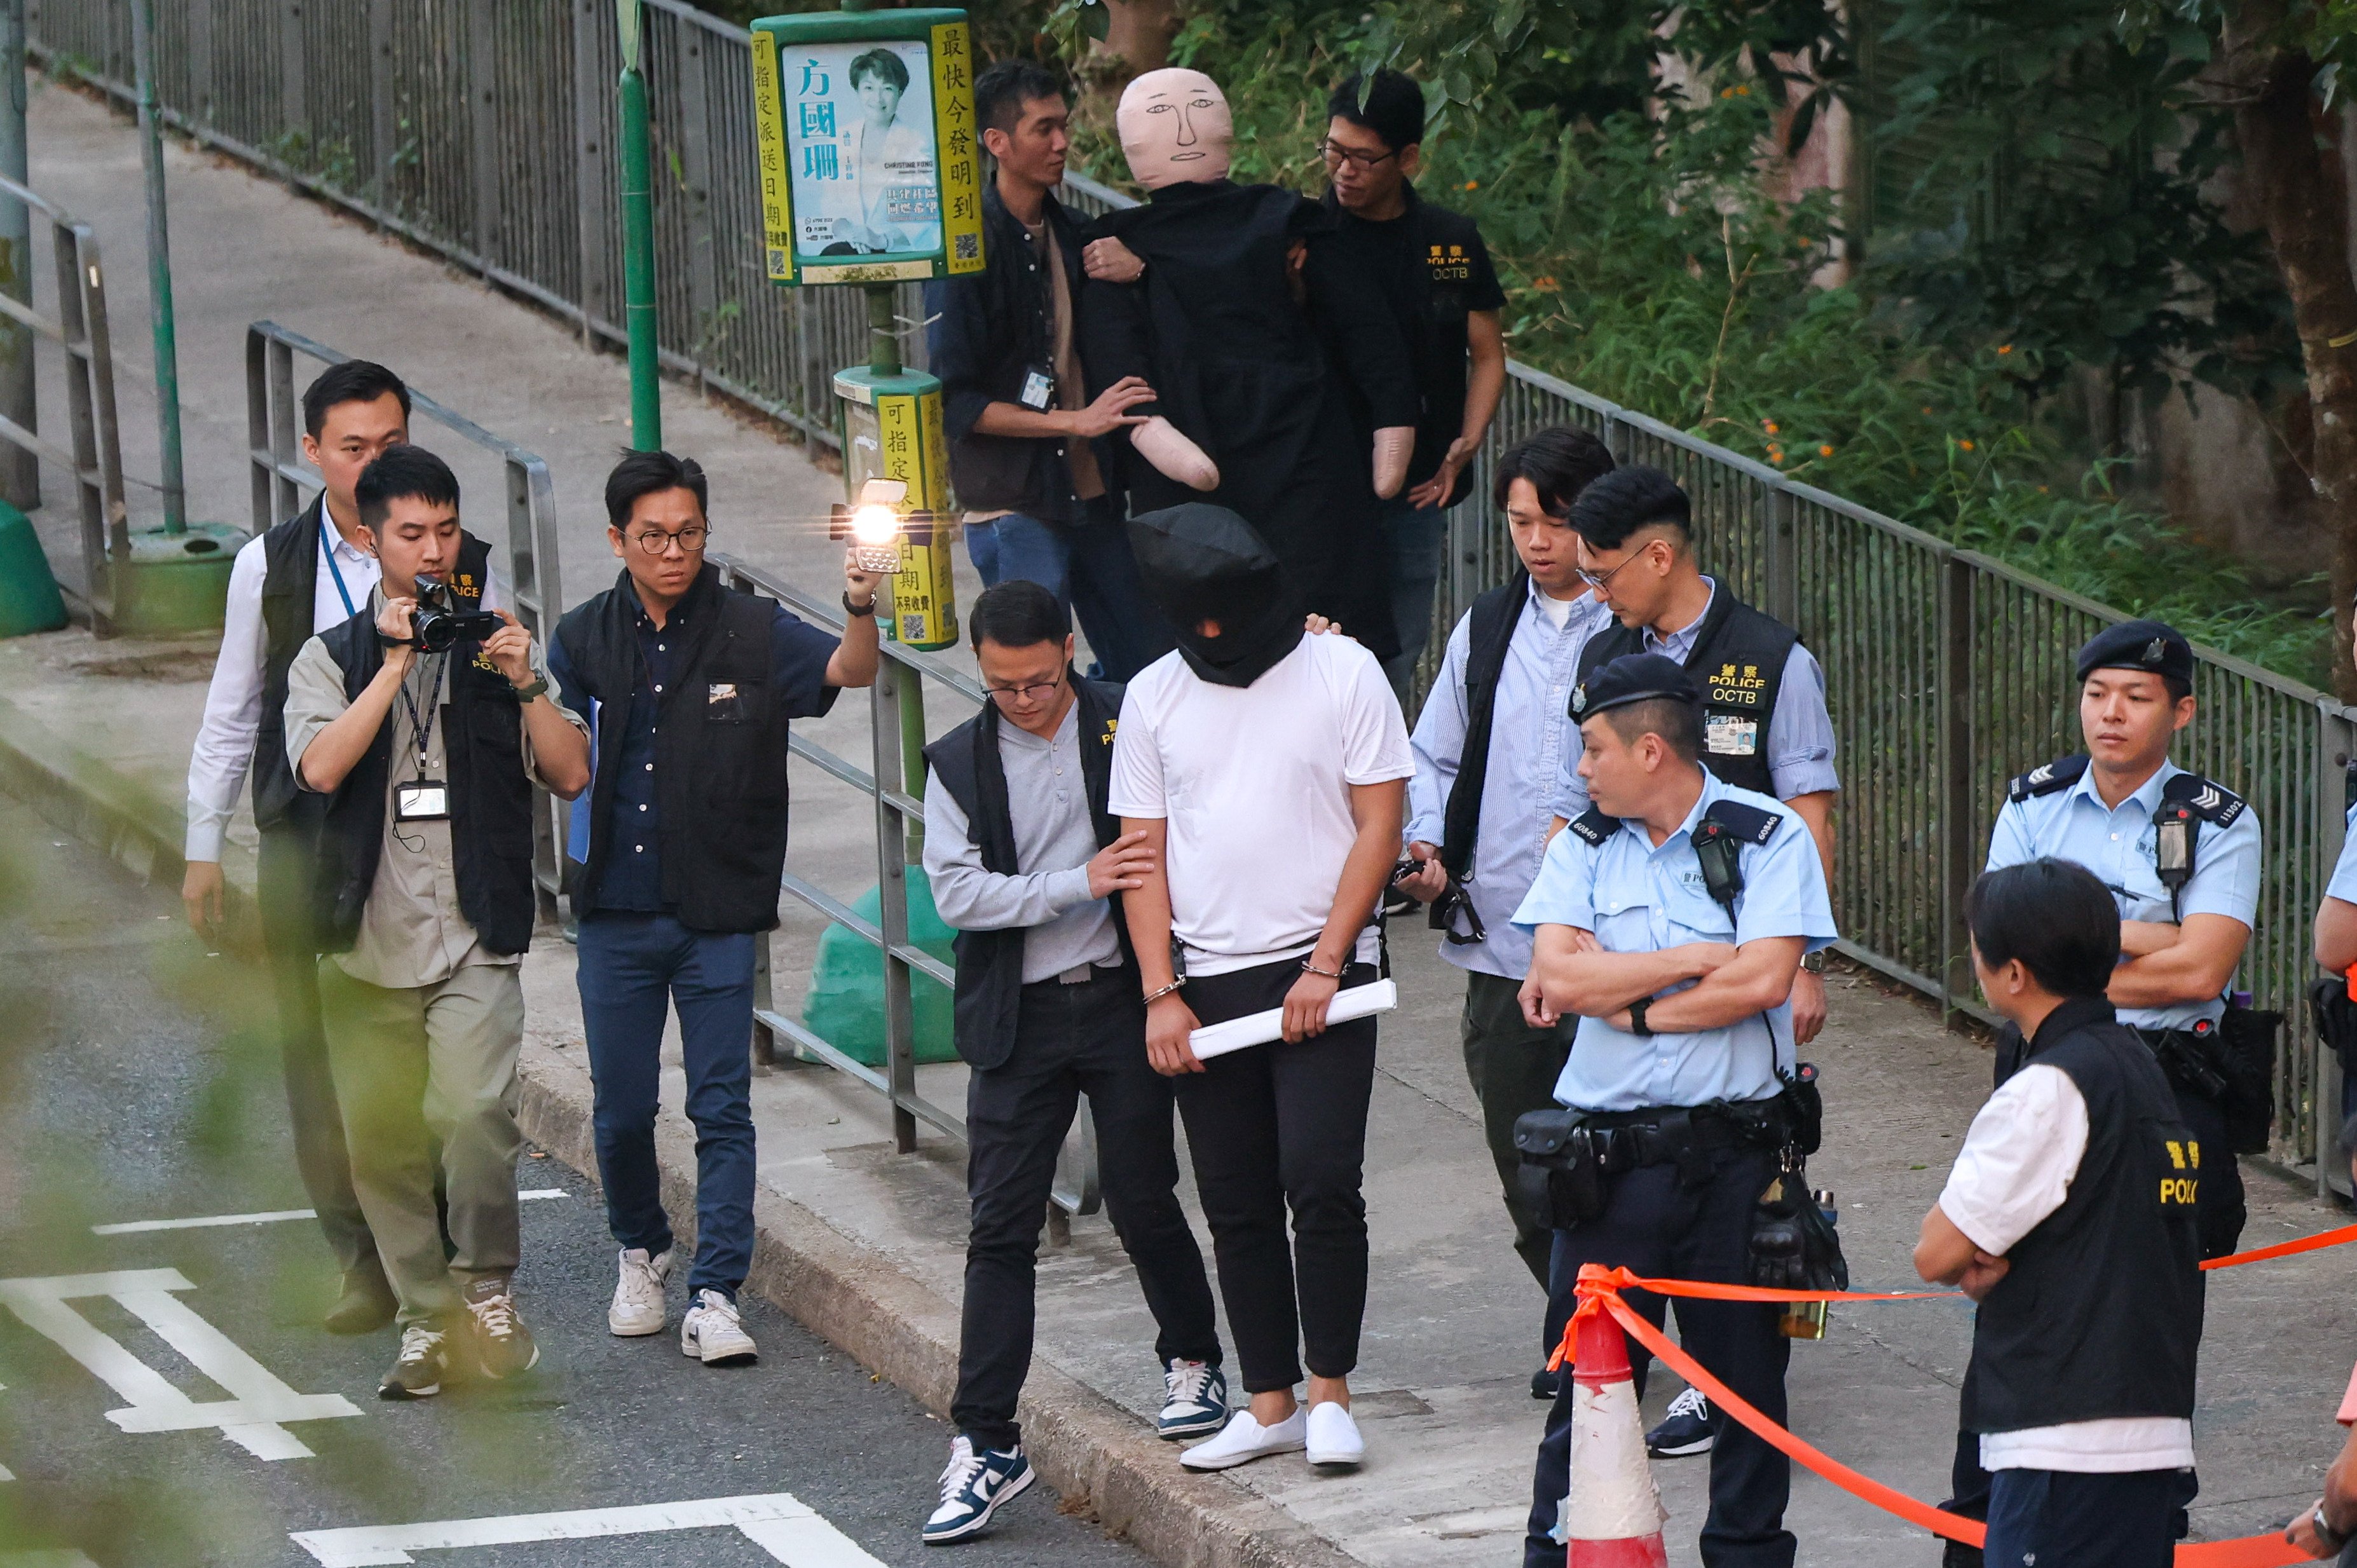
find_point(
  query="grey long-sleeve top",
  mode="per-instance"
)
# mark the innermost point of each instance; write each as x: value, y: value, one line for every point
x: 1048, y: 802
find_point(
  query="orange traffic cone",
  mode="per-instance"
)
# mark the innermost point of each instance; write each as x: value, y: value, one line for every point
x: 1613, y: 1516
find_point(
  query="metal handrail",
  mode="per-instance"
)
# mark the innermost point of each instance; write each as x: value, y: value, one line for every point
x: 282, y: 486
x: 95, y: 457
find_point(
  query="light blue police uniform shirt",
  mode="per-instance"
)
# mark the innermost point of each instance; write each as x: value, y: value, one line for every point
x: 1800, y: 732
x: 1636, y: 897
x: 2117, y: 844
x: 2343, y: 885
x: 1530, y: 723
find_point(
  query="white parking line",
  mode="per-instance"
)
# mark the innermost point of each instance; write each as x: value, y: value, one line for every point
x: 269, y: 1216
x: 250, y: 1419
x: 781, y: 1524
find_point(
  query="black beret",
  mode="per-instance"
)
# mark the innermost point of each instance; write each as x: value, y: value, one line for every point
x: 2147, y: 645
x: 1632, y: 678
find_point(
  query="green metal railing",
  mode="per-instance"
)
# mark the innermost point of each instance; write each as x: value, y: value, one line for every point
x: 1948, y: 671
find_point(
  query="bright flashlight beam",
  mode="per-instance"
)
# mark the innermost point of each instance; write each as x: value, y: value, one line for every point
x: 876, y: 525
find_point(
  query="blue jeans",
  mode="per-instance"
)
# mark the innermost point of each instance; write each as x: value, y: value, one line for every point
x: 1090, y: 570
x: 631, y: 966
x: 1416, y: 535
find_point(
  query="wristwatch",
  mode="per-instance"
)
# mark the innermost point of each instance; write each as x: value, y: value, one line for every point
x: 526, y: 693
x: 1637, y: 1024
x: 867, y: 609
x: 1815, y: 962
x: 2334, y: 1539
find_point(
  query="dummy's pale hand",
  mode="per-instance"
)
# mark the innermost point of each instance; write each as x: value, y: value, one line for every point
x: 1110, y: 261
x: 1119, y: 866
x: 1162, y: 444
x: 1808, y: 1006
x: 1394, y: 444
x: 1435, y: 490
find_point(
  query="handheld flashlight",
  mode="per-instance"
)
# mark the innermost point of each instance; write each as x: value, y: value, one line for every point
x: 874, y: 526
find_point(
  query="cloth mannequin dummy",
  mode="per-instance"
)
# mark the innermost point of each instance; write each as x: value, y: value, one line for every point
x: 1253, y: 414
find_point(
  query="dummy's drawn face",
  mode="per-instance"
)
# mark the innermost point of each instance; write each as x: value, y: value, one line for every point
x: 1175, y: 128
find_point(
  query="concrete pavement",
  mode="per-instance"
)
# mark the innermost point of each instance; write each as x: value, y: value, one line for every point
x: 864, y: 1244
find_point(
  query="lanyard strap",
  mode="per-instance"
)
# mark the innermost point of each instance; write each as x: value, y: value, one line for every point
x: 422, y: 729
x: 328, y: 549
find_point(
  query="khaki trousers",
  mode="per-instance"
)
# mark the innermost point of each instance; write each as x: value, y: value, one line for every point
x: 417, y: 1068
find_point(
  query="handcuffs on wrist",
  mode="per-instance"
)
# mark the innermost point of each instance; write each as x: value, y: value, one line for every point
x: 1159, y: 991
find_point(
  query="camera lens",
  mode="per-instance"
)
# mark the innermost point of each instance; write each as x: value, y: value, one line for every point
x: 435, y: 633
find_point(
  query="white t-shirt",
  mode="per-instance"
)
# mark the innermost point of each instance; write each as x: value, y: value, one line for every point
x: 2015, y: 1169
x: 1254, y: 783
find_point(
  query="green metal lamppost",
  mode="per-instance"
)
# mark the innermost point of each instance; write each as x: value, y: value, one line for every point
x: 638, y: 196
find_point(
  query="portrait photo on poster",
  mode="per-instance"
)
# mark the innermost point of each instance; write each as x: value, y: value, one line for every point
x: 860, y: 124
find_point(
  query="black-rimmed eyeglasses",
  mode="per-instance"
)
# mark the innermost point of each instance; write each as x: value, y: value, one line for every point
x: 1334, y: 151
x: 656, y: 542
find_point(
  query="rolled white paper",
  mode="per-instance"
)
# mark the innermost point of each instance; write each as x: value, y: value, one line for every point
x: 1259, y: 1028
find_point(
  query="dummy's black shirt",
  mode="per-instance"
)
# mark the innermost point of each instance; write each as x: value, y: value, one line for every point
x: 1434, y: 271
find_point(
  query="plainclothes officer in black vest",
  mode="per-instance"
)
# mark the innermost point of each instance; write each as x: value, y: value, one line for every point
x: 425, y: 746
x: 312, y: 572
x: 1765, y: 727
x: 1685, y: 1032
x: 2070, y: 1217
x: 1028, y: 864
x: 1488, y: 747
x: 688, y: 688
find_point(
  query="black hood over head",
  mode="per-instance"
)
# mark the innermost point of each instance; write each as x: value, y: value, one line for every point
x: 1204, y: 562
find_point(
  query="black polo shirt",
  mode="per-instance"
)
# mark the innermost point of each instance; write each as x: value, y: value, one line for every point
x: 1434, y: 271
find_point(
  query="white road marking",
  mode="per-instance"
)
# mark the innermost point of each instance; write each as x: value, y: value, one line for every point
x: 779, y: 1523
x: 251, y: 1419
x: 269, y: 1216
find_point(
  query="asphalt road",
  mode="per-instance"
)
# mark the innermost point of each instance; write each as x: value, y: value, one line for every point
x: 137, y: 1084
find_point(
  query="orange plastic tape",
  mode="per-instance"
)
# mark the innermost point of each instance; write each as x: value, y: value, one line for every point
x: 2322, y: 1238
x: 1599, y: 1292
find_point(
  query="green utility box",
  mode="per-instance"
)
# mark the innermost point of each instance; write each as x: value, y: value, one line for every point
x: 30, y: 600
x: 846, y: 1005
x: 176, y: 581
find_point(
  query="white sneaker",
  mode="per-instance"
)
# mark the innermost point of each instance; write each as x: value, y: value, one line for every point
x: 1333, y: 1436
x: 1244, y: 1440
x: 638, y: 1306
x: 711, y: 1332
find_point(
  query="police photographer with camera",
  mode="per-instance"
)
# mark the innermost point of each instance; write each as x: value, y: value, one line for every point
x: 425, y: 720
x: 1672, y: 916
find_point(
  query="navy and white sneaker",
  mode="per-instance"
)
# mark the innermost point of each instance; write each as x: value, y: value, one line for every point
x: 972, y: 1487
x: 1194, y: 1400
x: 1685, y: 1431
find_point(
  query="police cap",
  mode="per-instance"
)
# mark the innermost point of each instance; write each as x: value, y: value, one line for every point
x: 2147, y: 645
x: 1632, y: 678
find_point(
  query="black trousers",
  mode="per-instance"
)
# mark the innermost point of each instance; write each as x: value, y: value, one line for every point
x: 1070, y: 1040
x: 283, y: 878
x: 1656, y: 1226
x: 1275, y: 1127
x: 2065, y: 1517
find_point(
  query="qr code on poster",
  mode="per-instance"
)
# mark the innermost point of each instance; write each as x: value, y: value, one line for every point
x: 778, y: 267
x: 968, y: 247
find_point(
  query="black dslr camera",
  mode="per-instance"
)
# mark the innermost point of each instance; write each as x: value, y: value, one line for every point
x: 438, y: 624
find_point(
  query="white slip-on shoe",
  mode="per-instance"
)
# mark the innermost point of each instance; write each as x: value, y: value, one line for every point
x: 1333, y: 1436
x: 1244, y: 1440
x: 711, y: 1332
x: 638, y: 1307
